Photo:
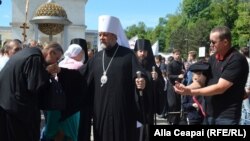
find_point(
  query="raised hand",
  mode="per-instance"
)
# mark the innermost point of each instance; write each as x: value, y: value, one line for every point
x: 181, y: 89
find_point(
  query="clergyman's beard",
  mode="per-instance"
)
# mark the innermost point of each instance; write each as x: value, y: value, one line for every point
x: 143, y: 62
x: 104, y: 46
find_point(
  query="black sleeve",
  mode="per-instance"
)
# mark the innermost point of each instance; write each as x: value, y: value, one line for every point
x: 171, y: 75
x: 37, y: 76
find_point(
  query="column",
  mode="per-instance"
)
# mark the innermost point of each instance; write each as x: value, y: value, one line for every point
x: 36, y: 32
x: 65, y: 37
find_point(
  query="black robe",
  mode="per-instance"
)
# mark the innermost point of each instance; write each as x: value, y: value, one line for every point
x: 114, y: 111
x: 77, y: 99
x: 151, y: 102
x: 22, y: 82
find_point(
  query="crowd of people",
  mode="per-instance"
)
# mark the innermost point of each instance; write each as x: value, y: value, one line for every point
x: 118, y: 90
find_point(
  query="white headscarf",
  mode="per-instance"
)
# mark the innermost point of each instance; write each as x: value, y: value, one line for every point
x: 69, y: 61
x: 73, y: 50
x: 112, y: 24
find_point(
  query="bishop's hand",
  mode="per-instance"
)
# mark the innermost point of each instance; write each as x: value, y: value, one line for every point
x: 53, y: 68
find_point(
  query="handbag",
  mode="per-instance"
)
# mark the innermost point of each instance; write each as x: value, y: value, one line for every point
x: 54, y: 98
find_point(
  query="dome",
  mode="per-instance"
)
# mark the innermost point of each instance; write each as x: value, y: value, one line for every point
x: 51, y: 9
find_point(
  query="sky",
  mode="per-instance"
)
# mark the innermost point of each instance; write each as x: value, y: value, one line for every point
x: 128, y: 11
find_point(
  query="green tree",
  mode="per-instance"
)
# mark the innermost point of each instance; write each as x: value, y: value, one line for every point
x: 199, y: 34
x: 241, y: 31
x: 139, y: 30
x: 131, y: 31
x: 224, y: 12
x: 159, y: 34
x: 174, y: 22
x: 189, y: 28
x: 194, y: 9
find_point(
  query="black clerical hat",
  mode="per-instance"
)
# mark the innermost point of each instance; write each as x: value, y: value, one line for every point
x: 83, y: 44
x: 145, y: 45
x: 200, y: 66
x: 142, y: 44
x: 79, y: 41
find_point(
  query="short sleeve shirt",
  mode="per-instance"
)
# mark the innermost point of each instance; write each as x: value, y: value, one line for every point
x: 233, y: 68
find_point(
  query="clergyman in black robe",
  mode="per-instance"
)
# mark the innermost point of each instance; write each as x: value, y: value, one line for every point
x: 115, y: 110
x: 112, y: 81
x: 154, y: 91
x: 23, y: 81
x: 113, y: 87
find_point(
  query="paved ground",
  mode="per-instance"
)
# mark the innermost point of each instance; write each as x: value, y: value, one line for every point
x: 159, y: 121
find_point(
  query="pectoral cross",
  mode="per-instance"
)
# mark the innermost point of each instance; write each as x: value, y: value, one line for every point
x: 24, y: 26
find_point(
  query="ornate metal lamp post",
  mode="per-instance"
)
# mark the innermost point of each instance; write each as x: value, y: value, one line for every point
x: 51, y: 19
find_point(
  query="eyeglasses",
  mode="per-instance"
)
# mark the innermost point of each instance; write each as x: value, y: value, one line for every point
x: 213, y: 42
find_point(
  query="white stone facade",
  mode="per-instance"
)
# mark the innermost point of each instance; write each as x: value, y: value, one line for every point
x: 75, y: 10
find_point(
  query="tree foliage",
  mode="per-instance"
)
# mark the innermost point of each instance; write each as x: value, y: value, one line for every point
x: 189, y: 28
x: 241, y: 30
